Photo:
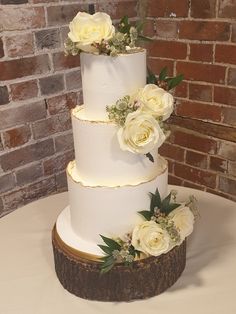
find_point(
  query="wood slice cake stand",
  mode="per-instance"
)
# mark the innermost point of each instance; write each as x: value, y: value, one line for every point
x: 80, y: 275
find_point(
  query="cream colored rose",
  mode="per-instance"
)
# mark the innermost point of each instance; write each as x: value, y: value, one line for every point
x: 140, y: 134
x: 156, y: 101
x: 149, y: 238
x: 183, y: 219
x: 86, y: 29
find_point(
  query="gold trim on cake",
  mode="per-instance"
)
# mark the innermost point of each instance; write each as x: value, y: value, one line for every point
x: 72, y: 251
x: 72, y: 164
x: 77, y: 109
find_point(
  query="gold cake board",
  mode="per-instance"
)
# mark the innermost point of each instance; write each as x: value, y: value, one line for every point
x: 79, y: 273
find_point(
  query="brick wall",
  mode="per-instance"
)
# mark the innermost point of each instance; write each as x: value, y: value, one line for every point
x: 198, y: 38
x: 38, y: 87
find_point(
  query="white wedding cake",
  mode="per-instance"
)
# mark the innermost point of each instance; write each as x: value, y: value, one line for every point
x: 107, y: 186
x: 120, y: 222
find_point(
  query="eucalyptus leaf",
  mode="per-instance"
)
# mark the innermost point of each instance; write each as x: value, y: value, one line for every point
x: 106, y: 249
x: 111, y: 243
x: 165, y: 204
x: 171, y: 207
x: 146, y: 214
x: 163, y: 74
x: 151, y: 78
x: 155, y: 201
x: 175, y: 81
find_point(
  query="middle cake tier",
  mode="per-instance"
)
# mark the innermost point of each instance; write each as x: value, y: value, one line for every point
x: 99, y: 158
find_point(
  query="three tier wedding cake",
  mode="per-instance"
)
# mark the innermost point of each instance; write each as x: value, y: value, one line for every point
x: 118, y: 183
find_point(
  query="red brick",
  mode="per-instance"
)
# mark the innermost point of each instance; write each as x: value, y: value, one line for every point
x: 27, y: 154
x: 201, y: 72
x: 227, y: 185
x: 149, y: 28
x: 227, y: 150
x: 118, y: 9
x: 181, y: 90
x: 168, y: 49
x: 62, y: 62
x: 230, y: 197
x: 193, y: 141
x: 51, y: 84
x: 201, y: 30
x: 229, y: 116
x: 61, y: 103
x: 52, y: 125
x: 24, y: 90
x: 13, y: 1
x: 61, y: 182
x: 168, y: 8
x: 17, y: 68
x: 29, y: 174
x: 203, y: 8
x: 48, y: 38
x: 225, y: 95
x: 1, y: 48
x: 196, y: 159
x: 19, y: 45
x: 225, y: 54
x: 157, y: 64
x: 43, y: 1
x: 13, y: 116
x: 17, y: 136
x: 62, y: 14
x: 172, y: 151
x: 174, y: 180
x: 199, y: 111
x: 194, y: 175
x: 7, y: 182
x: 233, y: 33
x: 232, y: 168
x: 73, y: 80
x: 200, y: 92
x: 14, y: 18
x: 58, y: 163
x: 201, y: 52
x: 167, y: 28
x: 218, y: 164
x: 64, y: 142
x: 227, y: 9
x: 4, y: 96
x: 232, y: 77
x: 30, y: 193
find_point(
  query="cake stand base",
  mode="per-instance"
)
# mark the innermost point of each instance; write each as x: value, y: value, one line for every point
x: 148, y: 277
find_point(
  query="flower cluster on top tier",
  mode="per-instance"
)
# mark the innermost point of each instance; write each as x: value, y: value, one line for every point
x: 164, y: 226
x: 96, y: 34
x: 141, y: 117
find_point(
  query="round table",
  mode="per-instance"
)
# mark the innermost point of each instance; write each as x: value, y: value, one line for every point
x: 28, y: 283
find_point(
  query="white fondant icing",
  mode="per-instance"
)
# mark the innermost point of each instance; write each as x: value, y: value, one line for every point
x: 110, y: 211
x: 99, y: 158
x: 105, y: 79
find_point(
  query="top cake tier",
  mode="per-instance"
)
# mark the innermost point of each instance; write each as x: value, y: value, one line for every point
x: 106, y: 79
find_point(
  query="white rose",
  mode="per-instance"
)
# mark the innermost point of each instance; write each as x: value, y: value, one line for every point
x: 86, y: 29
x: 183, y: 219
x: 140, y: 134
x: 156, y: 101
x: 149, y: 238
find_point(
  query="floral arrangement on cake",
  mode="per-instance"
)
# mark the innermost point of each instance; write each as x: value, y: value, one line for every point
x: 96, y: 34
x: 165, y: 225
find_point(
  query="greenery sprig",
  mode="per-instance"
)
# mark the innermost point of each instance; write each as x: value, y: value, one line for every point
x: 163, y: 80
x: 117, y: 251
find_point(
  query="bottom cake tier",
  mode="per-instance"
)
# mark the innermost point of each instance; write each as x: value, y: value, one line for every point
x: 146, y: 278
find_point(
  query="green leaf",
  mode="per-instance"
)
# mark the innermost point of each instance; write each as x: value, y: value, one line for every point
x: 111, y: 243
x: 165, y: 204
x: 150, y: 157
x: 107, y: 264
x: 151, y: 78
x: 171, y: 207
x: 175, y: 81
x: 144, y: 38
x: 146, y: 214
x: 155, y: 201
x: 163, y: 74
x: 124, y: 26
x: 106, y: 249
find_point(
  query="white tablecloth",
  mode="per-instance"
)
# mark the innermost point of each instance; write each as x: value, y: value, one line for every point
x: 28, y: 283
